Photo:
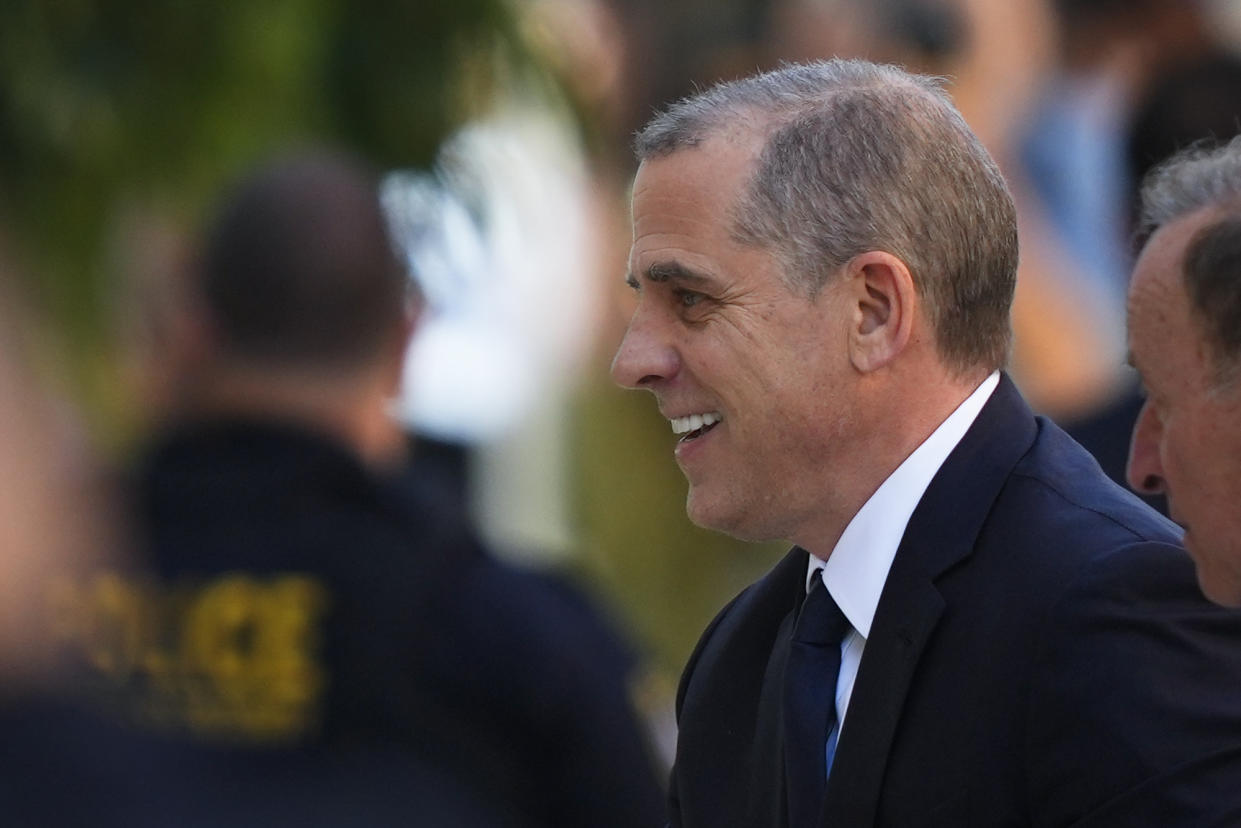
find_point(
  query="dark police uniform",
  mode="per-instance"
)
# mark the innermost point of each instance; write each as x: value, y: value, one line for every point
x: 309, y: 627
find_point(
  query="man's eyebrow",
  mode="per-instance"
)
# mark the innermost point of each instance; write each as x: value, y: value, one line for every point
x: 676, y: 272
x: 661, y: 272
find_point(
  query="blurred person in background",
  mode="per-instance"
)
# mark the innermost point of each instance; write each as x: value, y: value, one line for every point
x: 57, y: 522
x: 315, y: 618
x: 55, y: 507
x: 975, y: 624
x: 1112, y: 58
x: 1073, y: 147
x: 1199, y: 99
x: 1185, y: 342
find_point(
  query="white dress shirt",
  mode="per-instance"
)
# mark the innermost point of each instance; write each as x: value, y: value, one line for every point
x: 858, y: 566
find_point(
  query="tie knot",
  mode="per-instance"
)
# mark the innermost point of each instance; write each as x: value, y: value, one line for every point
x: 821, y: 622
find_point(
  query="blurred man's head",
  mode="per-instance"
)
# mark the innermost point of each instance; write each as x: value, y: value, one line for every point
x: 824, y: 256
x: 299, y: 269
x: 302, y: 299
x: 1185, y: 341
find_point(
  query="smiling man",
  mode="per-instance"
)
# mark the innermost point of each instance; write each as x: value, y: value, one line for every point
x: 975, y: 627
x: 1185, y: 341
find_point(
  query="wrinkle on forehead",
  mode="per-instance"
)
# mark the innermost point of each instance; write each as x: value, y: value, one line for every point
x: 1166, y: 340
x: 723, y: 162
x: 1157, y: 292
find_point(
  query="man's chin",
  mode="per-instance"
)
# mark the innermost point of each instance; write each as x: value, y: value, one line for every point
x: 1219, y: 588
x: 698, y: 512
x: 725, y: 518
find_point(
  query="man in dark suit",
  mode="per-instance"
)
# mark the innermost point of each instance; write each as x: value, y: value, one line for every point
x: 975, y: 626
x: 1185, y: 341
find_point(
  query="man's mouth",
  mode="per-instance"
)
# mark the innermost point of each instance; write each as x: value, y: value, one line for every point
x: 695, y: 425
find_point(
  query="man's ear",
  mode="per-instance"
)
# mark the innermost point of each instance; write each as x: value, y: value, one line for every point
x: 186, y: 334
x: 398, y: 348
x: 883, y: 307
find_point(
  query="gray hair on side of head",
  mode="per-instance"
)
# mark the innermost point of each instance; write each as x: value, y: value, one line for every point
x: 859, y: 156
x: 1205, y: 176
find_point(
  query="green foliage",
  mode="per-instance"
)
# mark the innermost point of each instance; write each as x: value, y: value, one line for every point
x: 398, y: 72
x: 161, y: 101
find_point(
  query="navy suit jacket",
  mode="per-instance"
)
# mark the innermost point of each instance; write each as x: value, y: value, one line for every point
x: 1041, y: 656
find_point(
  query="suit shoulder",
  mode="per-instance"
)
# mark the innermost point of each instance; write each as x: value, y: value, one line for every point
x: 1059, y: 527
x: 1135, y: 676
x: 1063, y: 489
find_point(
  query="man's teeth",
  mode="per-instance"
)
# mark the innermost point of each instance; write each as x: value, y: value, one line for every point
x: 684, y: 425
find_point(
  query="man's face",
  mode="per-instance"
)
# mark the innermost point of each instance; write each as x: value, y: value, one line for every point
x: 1187, y: 441
x: 753, y: 376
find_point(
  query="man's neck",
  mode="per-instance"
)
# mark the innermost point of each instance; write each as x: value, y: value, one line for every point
x: 897, y: 424
x: 351, y: 409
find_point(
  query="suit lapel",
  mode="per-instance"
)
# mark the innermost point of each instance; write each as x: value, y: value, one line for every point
x: 879, y: 692
x: 729, y: 771
x: 768, y: 806
x: 941, y: 533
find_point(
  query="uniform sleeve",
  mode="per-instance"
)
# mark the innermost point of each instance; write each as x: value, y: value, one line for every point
x: 561, y: 681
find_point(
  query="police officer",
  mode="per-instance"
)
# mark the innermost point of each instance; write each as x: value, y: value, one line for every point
x: 328, y: 637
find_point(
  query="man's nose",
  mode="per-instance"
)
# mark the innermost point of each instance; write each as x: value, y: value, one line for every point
x: 1145, y: 469
x: 645, y: 355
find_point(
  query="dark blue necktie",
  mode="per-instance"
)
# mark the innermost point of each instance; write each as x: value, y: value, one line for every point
x: 810, y: 701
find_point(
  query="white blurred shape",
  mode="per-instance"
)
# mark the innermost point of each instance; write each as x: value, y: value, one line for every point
x: 499, y: 238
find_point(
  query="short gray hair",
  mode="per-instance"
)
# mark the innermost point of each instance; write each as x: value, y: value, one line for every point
x: 1205, y: 176
x: 861, y: 156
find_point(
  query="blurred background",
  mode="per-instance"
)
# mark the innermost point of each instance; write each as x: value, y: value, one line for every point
x: 505, y: 126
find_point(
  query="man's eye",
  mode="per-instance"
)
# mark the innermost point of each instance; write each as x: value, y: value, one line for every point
x: 688, y: 298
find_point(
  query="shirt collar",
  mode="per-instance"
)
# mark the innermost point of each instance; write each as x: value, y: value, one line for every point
x: 858, y: 566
